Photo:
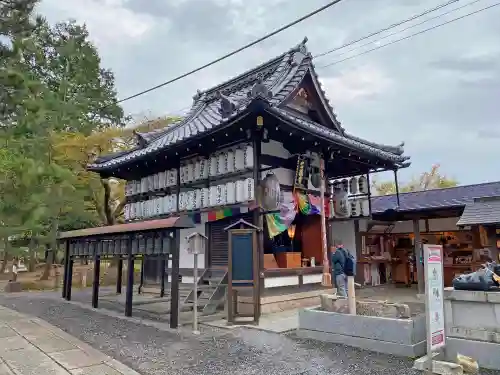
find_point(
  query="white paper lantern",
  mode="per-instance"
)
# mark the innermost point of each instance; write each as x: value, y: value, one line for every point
x: 230, y: 161
x: 198, y: 199
x: 355, y: 209
x: 143, y: 185
x: 204, y: 168
x: 365, y: 207
x: 150, y: 182
x: 183, y: 170
x: 248, y: 158
x: 137, y: 187
x: 212, y: 168
x: 205, y: 197
x: 363, y: 185
x: 249, y: 189
x: 191, y: 200
x: 240, y: 191
x: 182, y: 201
x: 126, y: 212
x: 197, y: 169
x: 158, y: 206
x: 212, y: 196
x: 222, y: 163
x: 239, y: 159
x: 190, y: 171
x: 230, y: 193
x: 353, y: 186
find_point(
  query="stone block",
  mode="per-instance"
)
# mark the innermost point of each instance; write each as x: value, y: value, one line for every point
x: 332, y: 303
x: 465, y: 295
x: 401, y: 350
x: 383, y: 309
x: 485, y: 353
x: 438, y: 367
x: 13, y: 287
x: 399, y: 331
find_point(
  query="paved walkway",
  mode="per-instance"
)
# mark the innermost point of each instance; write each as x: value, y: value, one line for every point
x: 32, y: 346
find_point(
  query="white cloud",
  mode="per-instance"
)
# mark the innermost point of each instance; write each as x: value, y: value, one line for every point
x: 358, y: 83
x: 109, y: 21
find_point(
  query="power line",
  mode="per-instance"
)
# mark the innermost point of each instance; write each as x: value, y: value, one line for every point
x: 409, y: 36
x: 246, y: 46
x: 408, y: 28
x: 414, y: 17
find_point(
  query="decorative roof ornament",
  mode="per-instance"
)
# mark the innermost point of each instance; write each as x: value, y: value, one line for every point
x: 227, y: 105
x: 260, y: 90
x: 141, y: 140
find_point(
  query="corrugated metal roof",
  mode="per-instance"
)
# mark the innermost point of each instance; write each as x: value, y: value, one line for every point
x: 481, y: 212
x: 171, y: 222
x: 437, y: 198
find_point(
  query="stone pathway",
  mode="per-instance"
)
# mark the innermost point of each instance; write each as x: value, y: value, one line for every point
x: 32, y: 346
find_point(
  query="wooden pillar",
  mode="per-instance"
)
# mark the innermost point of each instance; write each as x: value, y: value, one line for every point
x: 69, y: 283
x: 66, y: 269
x: 119, y: 276
x: 174, y: 285
x: 95, y: 282
x: 358, y: 243
x: 129, y: 293
x: 327, y: 277
x: 419, y: 256
x: 162, y: 275
x: 258, y: 219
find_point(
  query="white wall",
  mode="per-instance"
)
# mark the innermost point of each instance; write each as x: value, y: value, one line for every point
x: 441, y: 225
x: 344, y: 231
x: 274, y: 148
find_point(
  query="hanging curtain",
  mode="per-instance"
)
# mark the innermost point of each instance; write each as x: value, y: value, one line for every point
x: 279, y: 222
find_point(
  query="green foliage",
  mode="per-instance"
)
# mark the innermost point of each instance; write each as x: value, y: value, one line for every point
x: 426, y: 181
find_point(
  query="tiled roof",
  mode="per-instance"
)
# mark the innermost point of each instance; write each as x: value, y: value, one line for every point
x: 352, y: 143
x: 481, y: 211
x: 437, y: 198
x: 274, y: 81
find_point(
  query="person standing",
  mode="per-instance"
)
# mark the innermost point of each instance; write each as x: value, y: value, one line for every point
x: 337, y: 261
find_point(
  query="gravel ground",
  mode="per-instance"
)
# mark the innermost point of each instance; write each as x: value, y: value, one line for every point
x: 151, y: 348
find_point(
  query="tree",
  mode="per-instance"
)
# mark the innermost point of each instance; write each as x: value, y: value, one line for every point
x: 74, y: 150
x: 50, y: 81
x: 426, y: 181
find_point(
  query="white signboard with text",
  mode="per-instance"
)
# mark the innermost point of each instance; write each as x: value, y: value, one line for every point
x: 434, y: 288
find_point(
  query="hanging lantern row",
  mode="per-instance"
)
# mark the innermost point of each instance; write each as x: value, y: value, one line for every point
x: 352, y: 186
x: 214, y: 196
x: 195, y: 169
x: 344, y: 207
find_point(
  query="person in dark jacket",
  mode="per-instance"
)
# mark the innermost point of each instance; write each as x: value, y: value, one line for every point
x: 337, y: 261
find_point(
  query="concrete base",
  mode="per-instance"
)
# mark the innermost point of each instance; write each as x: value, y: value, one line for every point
x: 278, y: 303
x: 13, y: 287
x: 401, y: 337
x: 486, y: 354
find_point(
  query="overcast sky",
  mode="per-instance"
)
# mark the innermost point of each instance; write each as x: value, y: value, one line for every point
x: 439, y: 91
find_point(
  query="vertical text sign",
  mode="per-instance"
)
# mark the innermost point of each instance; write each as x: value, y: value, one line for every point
x: 433, y: 256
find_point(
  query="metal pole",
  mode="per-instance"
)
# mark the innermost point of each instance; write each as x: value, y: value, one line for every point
x: 163, y: 261
x: 69, y: 279
x: 66, y: 269
x: 195, y: 297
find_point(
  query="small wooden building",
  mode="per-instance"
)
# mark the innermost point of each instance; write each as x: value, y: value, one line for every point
x: 210, y: 164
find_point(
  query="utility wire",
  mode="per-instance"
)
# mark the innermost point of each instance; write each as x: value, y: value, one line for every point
x: 387, y: 28
x: 409, y: 36
x: 407, y: 28
x: 246, y: 46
